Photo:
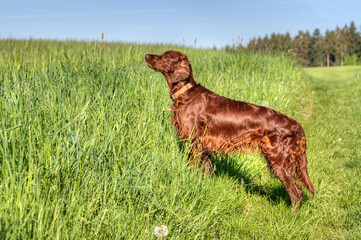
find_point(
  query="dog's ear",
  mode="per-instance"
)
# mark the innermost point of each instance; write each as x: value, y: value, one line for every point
x: 182, y: 71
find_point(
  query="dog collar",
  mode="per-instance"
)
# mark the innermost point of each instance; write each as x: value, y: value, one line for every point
x: 181, y: 91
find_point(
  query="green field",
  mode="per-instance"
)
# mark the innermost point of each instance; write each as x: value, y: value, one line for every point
x: 87, y: 149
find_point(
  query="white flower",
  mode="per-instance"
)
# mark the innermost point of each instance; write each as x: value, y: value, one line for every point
x: 264, y: 103
x: 339, y: 139
x: 161, y: 231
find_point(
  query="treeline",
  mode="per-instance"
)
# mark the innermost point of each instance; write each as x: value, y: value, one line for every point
x: 341, y: 46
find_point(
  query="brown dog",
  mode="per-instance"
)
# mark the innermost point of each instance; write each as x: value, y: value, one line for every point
x: 217, y: 124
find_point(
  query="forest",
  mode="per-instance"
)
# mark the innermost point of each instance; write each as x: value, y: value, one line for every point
x: 338, y: 47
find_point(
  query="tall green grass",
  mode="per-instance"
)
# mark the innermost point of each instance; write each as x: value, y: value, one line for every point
x: 87, y: 149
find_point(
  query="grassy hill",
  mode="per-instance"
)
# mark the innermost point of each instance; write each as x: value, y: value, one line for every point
x: 87, y: 150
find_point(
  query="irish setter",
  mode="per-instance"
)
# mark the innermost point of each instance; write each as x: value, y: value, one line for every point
x: 213, y: 123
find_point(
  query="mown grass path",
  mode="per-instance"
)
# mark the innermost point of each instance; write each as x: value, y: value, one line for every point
x: 334, y: 143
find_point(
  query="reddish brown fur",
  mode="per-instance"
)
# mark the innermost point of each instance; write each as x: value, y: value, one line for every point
x: 217, y: 124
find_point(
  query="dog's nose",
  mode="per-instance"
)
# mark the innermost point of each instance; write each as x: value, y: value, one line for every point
x: 147, y: 56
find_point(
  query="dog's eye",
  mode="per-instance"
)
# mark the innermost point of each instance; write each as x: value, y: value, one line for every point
x: 166, y: 56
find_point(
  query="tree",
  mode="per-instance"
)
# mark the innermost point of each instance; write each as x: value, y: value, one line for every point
x: 345, y: 45
x: 260, y: 46
x: 330, y: 47
x: 275, y: 42
x: 252, y: 45
x: 265, y: 43
x: 356, y: 40
x: 286, y: 42
x: 300, y: 47
x: 317, y: 49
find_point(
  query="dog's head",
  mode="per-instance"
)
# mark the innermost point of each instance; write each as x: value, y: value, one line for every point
x: 173, y: 64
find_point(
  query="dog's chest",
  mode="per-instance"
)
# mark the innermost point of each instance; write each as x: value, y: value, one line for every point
x: 184, y: 122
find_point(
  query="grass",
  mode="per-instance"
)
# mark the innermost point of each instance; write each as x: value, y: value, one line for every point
x: 87, y: 150
x: 334, y: 143
x: 343, y: 74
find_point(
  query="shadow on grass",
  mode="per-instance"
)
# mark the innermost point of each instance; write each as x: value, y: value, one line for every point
x: 227, y: 166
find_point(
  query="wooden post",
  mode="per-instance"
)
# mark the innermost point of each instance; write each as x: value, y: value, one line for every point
x: 341, y: 57
x: 102, y: 53
x: 328, y: 60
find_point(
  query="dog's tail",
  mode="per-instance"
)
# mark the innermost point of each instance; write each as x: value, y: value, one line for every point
x: 302, y: 174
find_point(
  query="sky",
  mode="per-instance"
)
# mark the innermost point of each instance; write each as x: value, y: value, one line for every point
x: 193, y: 23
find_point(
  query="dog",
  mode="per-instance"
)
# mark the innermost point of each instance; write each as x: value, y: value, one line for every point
x: 216, y: 124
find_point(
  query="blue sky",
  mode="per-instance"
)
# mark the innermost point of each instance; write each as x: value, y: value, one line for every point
x: 213, y: 23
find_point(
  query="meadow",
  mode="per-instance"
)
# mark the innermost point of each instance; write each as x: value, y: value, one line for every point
x: 87, y: 149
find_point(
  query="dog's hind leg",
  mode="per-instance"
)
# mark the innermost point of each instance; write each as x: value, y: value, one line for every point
x: 285, y: 174
x: 282, y: 165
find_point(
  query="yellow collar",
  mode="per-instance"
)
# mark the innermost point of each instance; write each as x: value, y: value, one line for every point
x: 181, y: 91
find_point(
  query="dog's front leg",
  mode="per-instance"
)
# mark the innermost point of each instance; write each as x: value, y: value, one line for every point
x: 199, y: 157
